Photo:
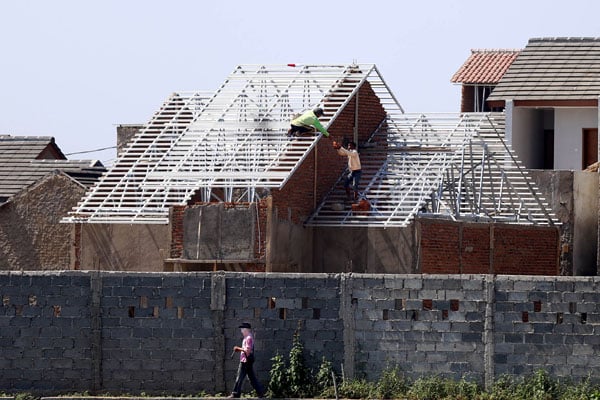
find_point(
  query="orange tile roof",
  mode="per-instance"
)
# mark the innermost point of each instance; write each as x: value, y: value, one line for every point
x: 485, y: 66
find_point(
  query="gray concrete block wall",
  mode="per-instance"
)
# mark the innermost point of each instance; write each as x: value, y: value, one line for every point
x: 173, y: 332
x: 547, y: 323
x: 45, y: 331
x: 425, y: 325
x: 278, y: 305
x: 157, y: 333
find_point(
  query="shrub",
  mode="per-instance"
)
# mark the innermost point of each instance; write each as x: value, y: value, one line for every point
x: 391, y: 384
x: 291, y: 380
x: 324, y: 384
x: 297, y: 372
x: 278, y: 377
x: 356, y: 389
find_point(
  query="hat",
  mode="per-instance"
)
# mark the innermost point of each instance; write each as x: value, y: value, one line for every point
x: 245, y: 325
x: 318, y: 111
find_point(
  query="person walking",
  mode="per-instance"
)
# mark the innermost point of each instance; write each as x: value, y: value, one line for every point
x: 245, y: 368
x: 354, y: 167
x: 305, y: 123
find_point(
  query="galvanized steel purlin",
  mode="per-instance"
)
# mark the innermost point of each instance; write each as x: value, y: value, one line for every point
x: 109, y: 199
x: 452, y: 165
x: 234, y: 138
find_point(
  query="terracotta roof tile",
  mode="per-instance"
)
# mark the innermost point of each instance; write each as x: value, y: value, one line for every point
x: 485, y: 66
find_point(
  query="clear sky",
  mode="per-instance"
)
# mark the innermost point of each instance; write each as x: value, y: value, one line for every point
x: 76, y: 69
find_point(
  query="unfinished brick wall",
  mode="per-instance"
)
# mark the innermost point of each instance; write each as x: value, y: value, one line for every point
x: 176, y: 222
x: 476, y: 248
x: 313, y: 179
x: 526, y: 250
x: 31, y: 235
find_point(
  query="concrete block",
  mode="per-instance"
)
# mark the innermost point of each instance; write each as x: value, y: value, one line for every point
x: 424, y: 326
x: 410, y: 304
x: 554, y: 339
x: 414, y: 336
x: 504, y: 284
x: 517, y: 297
x: 472, y: 337
x: 413, y: 283
x: 513, y: 338
x: 592, y: 298
x: 460, y: 327
x: 583, y: 329
x: 441, y: 326
x: 472, y: 295
x: 564, y: 285
x: 445, y: 346
x: 435, y: 358
x: 393, y: 282
x: 574, y: 339
x: 542, y: 327
x: 452, y: 337
x: 582, y: 285
x: 572, y: 297
x: 584, y: 307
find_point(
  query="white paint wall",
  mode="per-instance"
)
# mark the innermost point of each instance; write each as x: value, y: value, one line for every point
x: 568, y: 126
x: 527, y: 136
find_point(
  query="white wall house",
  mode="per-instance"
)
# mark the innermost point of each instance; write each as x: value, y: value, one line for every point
x: 550, y: 94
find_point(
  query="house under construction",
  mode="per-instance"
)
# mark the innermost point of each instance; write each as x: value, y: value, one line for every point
x: 212, y: 181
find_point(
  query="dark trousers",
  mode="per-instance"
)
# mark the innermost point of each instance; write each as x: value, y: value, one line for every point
x: 294, y: 130
x: 245, y: 368
x: 353, y: 177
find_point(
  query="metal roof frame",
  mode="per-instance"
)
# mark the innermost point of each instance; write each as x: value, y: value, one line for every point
x: 228, y: 146
x: 455, y: 166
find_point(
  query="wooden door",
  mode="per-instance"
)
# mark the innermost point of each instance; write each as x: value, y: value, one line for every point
x: 590, y: 147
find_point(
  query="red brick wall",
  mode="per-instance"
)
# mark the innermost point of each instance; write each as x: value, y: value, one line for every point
x: 467, y: 101
x: 475, y: 248
x: 520, y: 249
x: 439, y: 250
x: 297, y: 198
x: 298, y: 195
x: 177, y: 213
x: 461, y: 247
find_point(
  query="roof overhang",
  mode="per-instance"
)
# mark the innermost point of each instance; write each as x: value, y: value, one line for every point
x: 546, y: 103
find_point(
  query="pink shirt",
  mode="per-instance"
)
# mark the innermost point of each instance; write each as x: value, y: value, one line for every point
x: 248, y: 346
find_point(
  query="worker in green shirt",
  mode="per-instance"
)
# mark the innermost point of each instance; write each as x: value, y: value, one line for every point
x: 306, y: 121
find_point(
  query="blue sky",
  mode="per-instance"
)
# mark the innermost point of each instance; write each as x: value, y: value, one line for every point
x: 76, y: 69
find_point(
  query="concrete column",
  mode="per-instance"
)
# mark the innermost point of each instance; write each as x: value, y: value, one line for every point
x: 509, y: 107
x: 96, y: 331
x: 347, y: 316
x: 489, y: 289
x: 218, y: 299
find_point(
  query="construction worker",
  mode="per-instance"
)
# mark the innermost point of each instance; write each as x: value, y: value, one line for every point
x: 305, y: 122
x: 353, y: 166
